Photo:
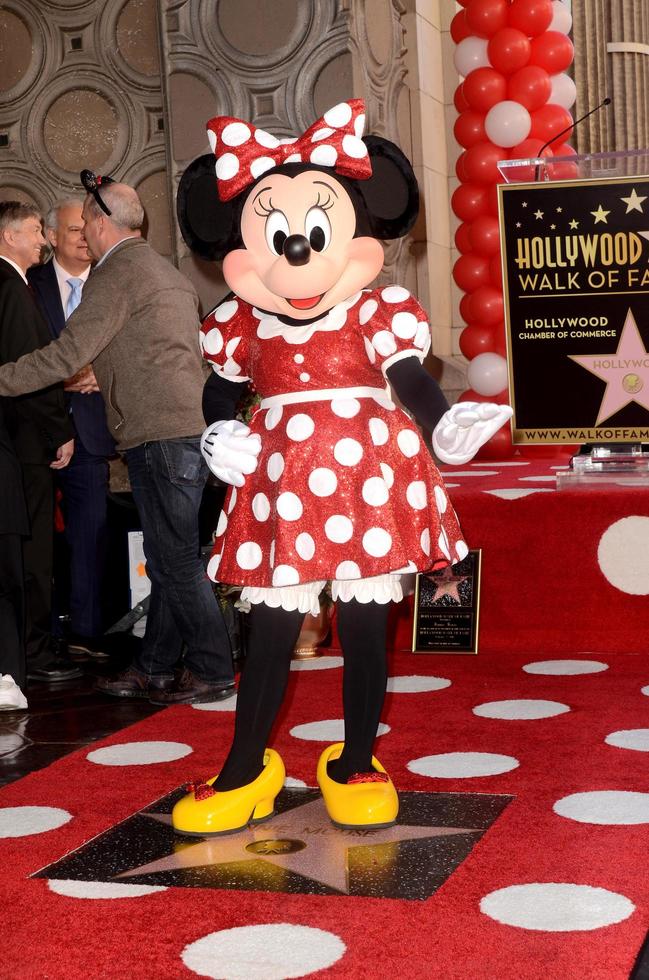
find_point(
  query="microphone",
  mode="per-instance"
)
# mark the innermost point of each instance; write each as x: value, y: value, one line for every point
x: 606, y: 101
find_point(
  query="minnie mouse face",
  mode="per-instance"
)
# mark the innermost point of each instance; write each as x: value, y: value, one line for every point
x: 299, y: 256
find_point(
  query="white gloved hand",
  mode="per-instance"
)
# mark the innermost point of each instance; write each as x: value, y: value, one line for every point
x: 230, y: 451
x: 465, y: 427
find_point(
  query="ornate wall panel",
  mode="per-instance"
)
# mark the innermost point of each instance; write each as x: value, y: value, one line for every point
x: 80, y: 87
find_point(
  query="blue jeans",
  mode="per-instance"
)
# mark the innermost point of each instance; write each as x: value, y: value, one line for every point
x: 167, y: 479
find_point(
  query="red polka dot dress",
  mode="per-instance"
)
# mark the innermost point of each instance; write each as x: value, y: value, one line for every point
x: 344, y: 487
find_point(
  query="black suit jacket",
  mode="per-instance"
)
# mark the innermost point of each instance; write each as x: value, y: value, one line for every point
x: 88, y: 411
x: 13, y: 512
x: 37, y: 423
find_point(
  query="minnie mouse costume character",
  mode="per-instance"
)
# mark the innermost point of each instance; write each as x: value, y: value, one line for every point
x: 331, y: 481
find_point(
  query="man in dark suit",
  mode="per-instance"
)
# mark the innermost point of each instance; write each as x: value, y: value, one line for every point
x: 13, y: 525
x: 57, y: 286
x: 39, y: 428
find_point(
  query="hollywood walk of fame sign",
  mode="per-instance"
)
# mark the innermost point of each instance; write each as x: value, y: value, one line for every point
x: 447, y: 608
x: 297, y: 851
x: 576, y: 288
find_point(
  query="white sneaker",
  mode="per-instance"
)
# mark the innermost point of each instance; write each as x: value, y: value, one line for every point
x: 11, y: 697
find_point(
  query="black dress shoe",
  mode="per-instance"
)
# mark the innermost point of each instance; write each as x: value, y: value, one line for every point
x: 132, y: 683
x: 53, y: 672
x: 190, y: 689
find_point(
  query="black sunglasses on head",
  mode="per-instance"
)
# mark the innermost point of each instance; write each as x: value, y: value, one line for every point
x: 92, y: 182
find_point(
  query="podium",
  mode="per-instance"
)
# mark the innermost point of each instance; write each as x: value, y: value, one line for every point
x: 575, y: 263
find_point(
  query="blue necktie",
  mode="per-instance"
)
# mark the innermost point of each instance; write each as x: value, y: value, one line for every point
x: 74, y: 298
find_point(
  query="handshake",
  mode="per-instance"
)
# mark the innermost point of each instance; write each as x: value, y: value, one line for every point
x: 231, y: 451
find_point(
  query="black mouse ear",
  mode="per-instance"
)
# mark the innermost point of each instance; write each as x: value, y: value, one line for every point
x: 209, y: 226
x: 391, y: 194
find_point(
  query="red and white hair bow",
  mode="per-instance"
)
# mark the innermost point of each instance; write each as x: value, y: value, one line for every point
x: 243, y: 153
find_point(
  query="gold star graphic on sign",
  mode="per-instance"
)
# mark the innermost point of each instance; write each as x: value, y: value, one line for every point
x: 574, y: 223
x: 524, y: 204
x: 559, y: 210
x: 600, y: 215
x: 518, y: 224
x: 633, y: 202
x: 301, y: 840
x: 552, y: 227
x: 538, y: 214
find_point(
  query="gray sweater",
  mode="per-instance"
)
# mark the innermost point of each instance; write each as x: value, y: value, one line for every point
x: 138, y: 326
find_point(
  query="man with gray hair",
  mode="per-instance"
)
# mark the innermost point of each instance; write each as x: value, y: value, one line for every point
x: 138, y: 326
x: 58, y: 286
x: 39, y: 428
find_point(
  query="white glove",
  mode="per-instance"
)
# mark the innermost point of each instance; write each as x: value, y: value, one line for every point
x: 465, y: 427
x: 230, y: 451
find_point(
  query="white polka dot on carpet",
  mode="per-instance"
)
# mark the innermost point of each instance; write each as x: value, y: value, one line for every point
x: 556, y: 907
x: 317, y: 663
x: 415, y: 684
x: 229, y: 704
x: 100, y: 889
x: 539, y: 479
x: 565, y: 668
x: 263, y: 952
x: 291, y: 783
x: 477, y: 473
x: 520, y: 710
x: 500, y: 464
x: 139, y: 753
x: 636, y: 739
x: 645, y: 690
x: 20, y: 821
x: 462, y: 765
x: 623, y: 555
x: 331, y: 730
x: 515, y: 493
x: 605, y: 807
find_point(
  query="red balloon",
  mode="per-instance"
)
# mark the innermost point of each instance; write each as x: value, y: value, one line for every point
x: 469, y: 128
x: 462, y: 240
x: 476, y: 339
x: 471, y: 271
x: 532, y: 17
x: 484, y: 235
x: 460, y: 167
x: 492, y: 198
x: 469, y: 201
x: 459, y: 27
x: 485, y: 17
x: 465, y: 307
x: 509, y: 50
x: 486, y: 305
x: 553, y: 51
x: 543, y: 451
x: 500, y: 445
x: 483, y: 88
x: 499, y: 340
x: 528, y: 149
x: 495, y: 270
x: 531, y: 86
x: 459, y: 101
x: 481, y: 162
x: 549, y: 121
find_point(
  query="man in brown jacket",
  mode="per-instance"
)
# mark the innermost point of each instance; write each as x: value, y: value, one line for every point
x: 137, y: 325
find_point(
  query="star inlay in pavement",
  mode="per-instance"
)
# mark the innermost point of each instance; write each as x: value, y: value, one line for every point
x: 301, y: 840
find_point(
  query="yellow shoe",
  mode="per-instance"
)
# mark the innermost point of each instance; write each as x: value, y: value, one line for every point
x: 358, y: 804
x: 205, y: 812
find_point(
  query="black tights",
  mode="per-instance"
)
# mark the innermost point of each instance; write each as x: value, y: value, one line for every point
x: 272, y: 638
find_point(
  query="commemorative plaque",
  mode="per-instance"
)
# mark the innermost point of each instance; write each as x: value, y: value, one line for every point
x: 447, y: 608
x: 576, y: 278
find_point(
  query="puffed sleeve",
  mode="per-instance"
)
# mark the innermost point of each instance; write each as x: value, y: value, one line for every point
x: 394, y: 326
x: 224, y: 338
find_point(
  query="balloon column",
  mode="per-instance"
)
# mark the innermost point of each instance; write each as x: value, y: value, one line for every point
x: 515, y: 96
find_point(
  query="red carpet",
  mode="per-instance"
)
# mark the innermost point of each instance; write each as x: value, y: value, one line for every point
x: 446, y: 936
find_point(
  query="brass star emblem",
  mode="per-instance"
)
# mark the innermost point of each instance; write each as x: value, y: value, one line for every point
x: 634, y: 202
x: 600, y: 215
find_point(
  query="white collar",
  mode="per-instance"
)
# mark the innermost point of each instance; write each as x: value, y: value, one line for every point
x: 271, y: 326
x: 63, y: 275
x: 16, y: 267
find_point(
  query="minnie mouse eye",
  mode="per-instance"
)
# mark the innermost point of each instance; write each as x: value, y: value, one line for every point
x: 317, y: 229
x: 276, y: 231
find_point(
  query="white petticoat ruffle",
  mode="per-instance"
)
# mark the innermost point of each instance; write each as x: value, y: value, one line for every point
x: 305, y: 598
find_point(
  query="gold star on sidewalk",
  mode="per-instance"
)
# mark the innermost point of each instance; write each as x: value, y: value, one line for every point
x: 538, y: 215
x: 600, y: 215
x: 633, y: 202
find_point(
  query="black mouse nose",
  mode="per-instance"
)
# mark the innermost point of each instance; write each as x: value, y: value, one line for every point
x: 297, y: 250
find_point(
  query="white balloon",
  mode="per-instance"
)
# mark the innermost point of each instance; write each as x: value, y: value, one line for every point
x: 471, y: 53
x: 564, y: 91
x: 561, y: 18
x: 488, y: 374
x: 508, y: 123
